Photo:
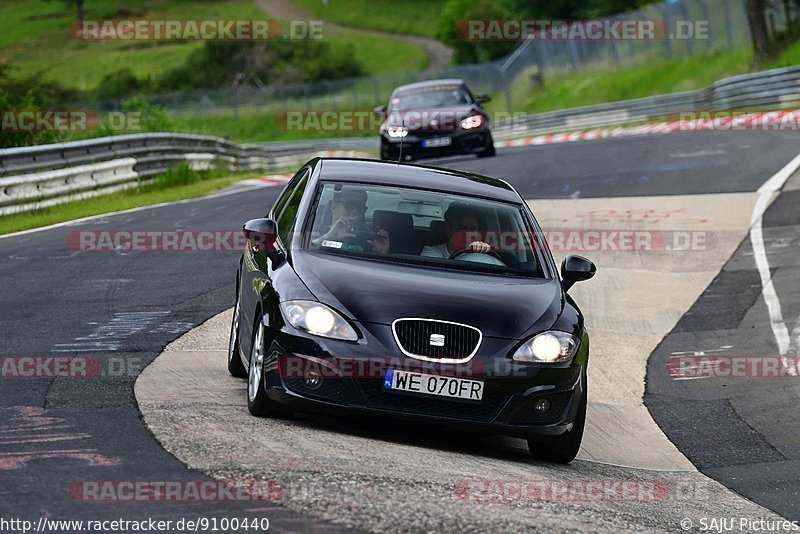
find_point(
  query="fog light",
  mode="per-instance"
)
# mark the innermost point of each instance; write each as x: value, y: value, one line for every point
x: 312, y: 380
x: 542, y: 406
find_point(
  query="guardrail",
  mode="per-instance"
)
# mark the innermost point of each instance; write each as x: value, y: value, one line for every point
x: 46, y: 188
x: 40, y: 176
x: 767, y: 89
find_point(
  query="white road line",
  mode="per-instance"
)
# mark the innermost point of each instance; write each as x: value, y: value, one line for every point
x: 796, y: 335
x: 765, y: 194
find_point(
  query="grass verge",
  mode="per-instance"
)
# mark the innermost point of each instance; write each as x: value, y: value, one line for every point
x: 258, y: 126
x: 654, y: 78
x: 412, y: 17
x: 560, y: 91
x: 789, y: 57
x: 35, y: 38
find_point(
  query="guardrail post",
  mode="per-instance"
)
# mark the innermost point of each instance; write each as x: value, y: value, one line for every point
x: 728, y: 24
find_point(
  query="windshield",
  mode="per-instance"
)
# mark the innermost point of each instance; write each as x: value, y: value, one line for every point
x: 423, y: 228
x: 437, y: 96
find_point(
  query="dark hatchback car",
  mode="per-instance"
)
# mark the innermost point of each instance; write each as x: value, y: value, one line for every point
x: 432, y: 119
x: 409, y: 291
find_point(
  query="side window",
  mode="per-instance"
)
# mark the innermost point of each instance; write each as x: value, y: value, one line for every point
x: 287, y: 193
x: 287, y: 218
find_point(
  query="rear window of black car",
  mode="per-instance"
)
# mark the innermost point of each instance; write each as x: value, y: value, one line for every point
x: 423, y: 228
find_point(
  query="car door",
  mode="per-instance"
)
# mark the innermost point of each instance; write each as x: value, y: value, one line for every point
x: 256, y: 266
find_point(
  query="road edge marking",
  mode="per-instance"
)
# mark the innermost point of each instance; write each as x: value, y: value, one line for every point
x: 765, y: 196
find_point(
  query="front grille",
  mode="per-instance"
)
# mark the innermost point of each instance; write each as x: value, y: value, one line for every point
x: 375, y: 396
x: 559, y: 402
x: 414, y: 337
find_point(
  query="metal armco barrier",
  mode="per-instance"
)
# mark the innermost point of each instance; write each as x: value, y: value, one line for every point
x: 758, y: 91
x: 40, y: 176
x: 46, y: 188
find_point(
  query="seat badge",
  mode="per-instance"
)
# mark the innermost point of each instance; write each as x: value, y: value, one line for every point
x: 437, y: 340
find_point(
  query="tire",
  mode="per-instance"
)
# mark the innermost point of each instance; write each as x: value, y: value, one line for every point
x: 235, y: 365
x: 257, y: 401
x: 489, y: 151
x: 564, y: 448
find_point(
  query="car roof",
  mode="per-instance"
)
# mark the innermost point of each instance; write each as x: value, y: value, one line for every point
x: 429, y: 83
x: 415, y: 176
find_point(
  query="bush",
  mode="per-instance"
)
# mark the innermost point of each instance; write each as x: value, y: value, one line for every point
x: 151, y: 118
x: 482, y: 51
x: 455, y: 11
x: 30, y: 93
x: 120, y: 83
x: 572, y: 10
x: 182, y: 174
x: 139, y: 116
x: 228, y: 63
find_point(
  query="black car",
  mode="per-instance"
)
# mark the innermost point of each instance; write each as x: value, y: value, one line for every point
x: 396, y: 289
x: 432, y: 119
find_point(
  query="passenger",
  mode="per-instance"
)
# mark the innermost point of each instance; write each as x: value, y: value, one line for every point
x: 348, y: 207
x: 458, y: 219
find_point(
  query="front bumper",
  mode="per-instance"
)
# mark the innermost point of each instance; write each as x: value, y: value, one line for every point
x: 462, y: 142
x: 352, y: 383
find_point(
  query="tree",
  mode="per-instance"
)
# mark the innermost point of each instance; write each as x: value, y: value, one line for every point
x: 758, y: 27
x: 573, y: 9
x: 455, y: 12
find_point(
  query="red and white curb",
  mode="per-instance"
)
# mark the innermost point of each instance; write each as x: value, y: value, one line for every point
x: 281, y: 179
x: 268, y: 181
x: 722, y: 122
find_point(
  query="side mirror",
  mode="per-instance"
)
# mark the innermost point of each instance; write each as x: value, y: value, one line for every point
x: 576, y: 269
x: 262, y: 234
x: 380, y: 111
x: 482, y: 99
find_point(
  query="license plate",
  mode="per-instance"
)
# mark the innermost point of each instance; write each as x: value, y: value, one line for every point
x: 441, y: 386
x: 437, y: 141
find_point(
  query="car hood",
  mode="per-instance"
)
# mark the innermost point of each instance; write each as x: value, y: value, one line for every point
x: 435, y: 119
x: 380, y: 292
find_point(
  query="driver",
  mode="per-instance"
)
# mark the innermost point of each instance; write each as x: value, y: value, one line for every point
x: 458, y: 219
x: 348, y: 207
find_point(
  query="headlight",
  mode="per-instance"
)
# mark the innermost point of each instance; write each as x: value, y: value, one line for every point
x: 472, y: 122
x: 395, y: 131
x: 317, y: 319
x: 548, y: 347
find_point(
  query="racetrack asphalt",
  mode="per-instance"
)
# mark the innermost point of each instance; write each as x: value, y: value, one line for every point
x: 126, y: 307
x: 740, y: 430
